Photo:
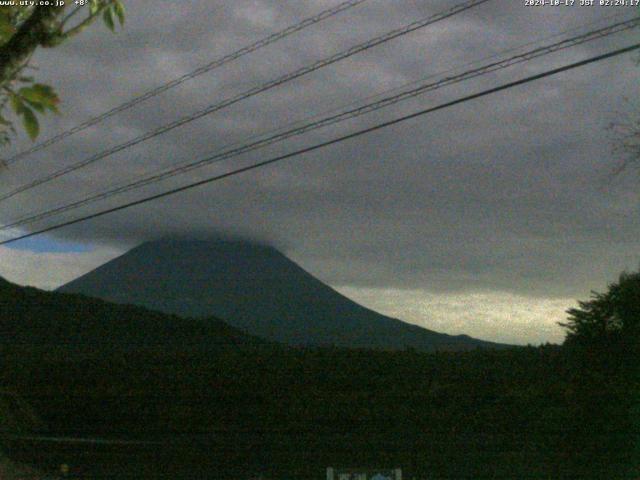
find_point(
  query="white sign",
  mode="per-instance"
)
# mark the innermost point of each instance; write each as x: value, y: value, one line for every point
x: 364, y: 473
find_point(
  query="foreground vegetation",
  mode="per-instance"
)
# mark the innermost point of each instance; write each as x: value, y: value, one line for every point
x: 544, y: 412
x: 538, y: 412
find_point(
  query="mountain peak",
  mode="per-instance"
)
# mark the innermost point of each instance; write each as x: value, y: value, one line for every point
x: 252, y: 286
x: 208, y: 242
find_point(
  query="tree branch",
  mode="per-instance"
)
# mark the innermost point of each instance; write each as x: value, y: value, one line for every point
x: 80, y: 26
x: 70, y: 16
x: 40, y: 29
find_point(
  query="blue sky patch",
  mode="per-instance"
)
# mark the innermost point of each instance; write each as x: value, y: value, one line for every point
x: 46, y: 244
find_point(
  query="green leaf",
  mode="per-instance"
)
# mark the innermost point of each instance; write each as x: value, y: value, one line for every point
x: 94, y: 6
x: 118, y: 8
x: 108, y: 20
x: 45, y: 90
x: 30, y: 123
x: 53, y: 108
x: 40, y: 97
x: 32, y: 95
x: 17, y: 104
x: 40, y: 93
x: 35, y: 105
x: 7, y: 29
x: 6, y: 15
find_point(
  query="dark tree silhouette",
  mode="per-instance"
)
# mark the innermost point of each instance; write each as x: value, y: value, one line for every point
x: 603, y: 337
x: 608, y: 317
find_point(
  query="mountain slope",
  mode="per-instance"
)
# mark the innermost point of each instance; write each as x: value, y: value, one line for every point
x: 71, y: 323
x: 255, y: 288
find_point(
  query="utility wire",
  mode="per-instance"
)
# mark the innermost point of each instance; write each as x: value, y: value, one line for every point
x: 333, y: 119
x: 327, y: 143
x: 250, y: 93
x: 383, y: 93
x: 307, y: 22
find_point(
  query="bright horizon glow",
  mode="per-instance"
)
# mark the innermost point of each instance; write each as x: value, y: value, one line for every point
x: 490, y: 315
x: 495, y: 316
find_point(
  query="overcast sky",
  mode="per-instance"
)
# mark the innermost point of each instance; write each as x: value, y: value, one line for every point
x: 489, y: 218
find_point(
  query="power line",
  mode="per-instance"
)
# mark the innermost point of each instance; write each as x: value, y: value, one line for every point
x: 589, y: 36
x: 333, y: 119
x: 307, y: 22
x: 250, y: 93
x: 327, y: 143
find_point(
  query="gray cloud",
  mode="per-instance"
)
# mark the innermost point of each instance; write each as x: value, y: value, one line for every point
x: 510, y: 193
